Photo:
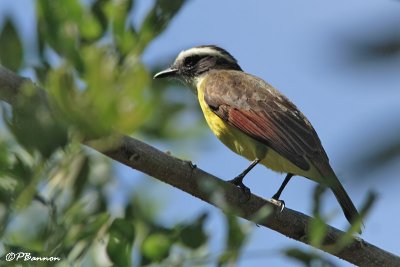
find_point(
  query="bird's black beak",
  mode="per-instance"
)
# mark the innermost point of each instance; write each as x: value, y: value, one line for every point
x: 170, y: 72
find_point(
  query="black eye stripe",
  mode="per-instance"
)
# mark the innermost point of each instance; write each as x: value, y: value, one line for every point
x: 191, y: 61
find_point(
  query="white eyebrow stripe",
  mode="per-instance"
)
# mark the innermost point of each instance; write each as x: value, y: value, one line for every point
x: 204, y: 51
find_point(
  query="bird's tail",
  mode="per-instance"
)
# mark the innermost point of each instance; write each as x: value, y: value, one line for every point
x: 344, y: 200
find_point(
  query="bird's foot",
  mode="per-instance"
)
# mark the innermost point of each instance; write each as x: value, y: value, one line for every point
x: 279, y: 202
x: 191, y: 164
x: 238, y: 181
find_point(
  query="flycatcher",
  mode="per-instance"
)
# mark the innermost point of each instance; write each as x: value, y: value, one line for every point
x: 255, y: 120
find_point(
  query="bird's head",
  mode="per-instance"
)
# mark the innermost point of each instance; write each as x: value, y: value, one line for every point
x: 195, y: 62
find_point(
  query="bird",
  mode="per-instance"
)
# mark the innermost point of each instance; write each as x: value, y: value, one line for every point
x: 255, y: 120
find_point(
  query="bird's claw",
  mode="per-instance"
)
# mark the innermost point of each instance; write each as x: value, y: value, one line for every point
x: 238, y: 181
x: 282, y: 205
x: 191, y: 164
x: 279, y: 203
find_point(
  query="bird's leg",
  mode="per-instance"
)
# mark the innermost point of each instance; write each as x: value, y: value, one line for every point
x: 277, y: 195
x: 238, y: 180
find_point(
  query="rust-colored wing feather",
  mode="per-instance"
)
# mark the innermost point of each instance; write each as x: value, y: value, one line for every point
x: 256, y: 108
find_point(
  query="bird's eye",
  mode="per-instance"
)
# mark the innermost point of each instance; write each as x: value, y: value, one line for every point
x: 191, y: 61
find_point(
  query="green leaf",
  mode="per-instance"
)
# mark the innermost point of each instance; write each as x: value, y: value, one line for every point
x: 93, y: 225
x: 4, y: 157
x: 121, y: 237
x: 236, y: 234
x: 98, y: 12
x: 113, y: 97
x: 11, y: 54
x: 299, y: 255
x: 317, y: 231
x: 317, y: 197
x: 156, y: 247
x: 15, y: 179
x: 157, y: 21
x: 317, y: 226
x: 90, y: 28
x: 193, y: 235
x: 125, y: 37
x: 59, y: 28
x: 82, y: 177
x: 348, y: 237
x: 21, y: 169
x: 235, y: 240
x: 307, y: 258
x: 34, y: 125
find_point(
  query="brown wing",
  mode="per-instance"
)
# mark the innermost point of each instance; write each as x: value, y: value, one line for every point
x: 257, y: 109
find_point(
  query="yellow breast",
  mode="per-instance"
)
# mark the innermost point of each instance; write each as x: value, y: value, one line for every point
x: 243, y: 144
x: 233, y: 138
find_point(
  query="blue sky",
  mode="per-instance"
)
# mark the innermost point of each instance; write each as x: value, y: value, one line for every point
x: 304, y: 49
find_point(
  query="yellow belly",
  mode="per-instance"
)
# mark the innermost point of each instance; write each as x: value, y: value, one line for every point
x: 246, y: 146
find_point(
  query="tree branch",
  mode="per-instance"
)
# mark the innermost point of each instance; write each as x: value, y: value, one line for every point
x: 192, y: 180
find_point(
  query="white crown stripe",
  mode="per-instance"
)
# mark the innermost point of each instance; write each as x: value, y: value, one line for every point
x: 202, y: 51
